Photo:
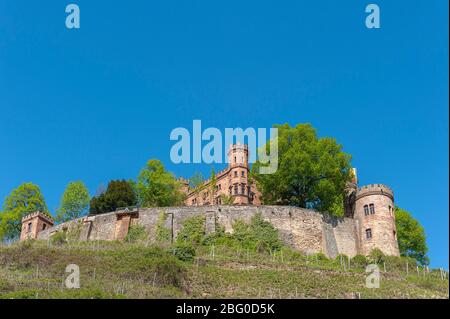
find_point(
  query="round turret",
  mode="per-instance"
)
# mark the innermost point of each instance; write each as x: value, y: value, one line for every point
x: 374, y: 212
x: 238, y: 155
x: 238, y: 175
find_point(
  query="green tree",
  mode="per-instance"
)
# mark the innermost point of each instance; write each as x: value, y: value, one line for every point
x: 25, y: 199
x: 212, y: 185
x: 158, y: 188
x: 411, y: 237
x: 74, y: 202
x: 196, y: 180
x: 312, y: 171
x: 119, y: 193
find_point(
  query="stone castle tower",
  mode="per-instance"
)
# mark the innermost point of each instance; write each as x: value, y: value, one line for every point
x: 233, y: 182
x: 34, y: 223
x: 238, y: 155
x: 372, y: 208
x: 375, y: 219
x: 238, y: 173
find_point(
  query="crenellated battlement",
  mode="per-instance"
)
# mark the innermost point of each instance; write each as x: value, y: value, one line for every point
x: 374, y: 189
x: 42, y: 215
x: 238, y: 146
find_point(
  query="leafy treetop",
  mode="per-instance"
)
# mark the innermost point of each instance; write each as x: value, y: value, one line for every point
x: 411, y: 236
x: 25, y: 199
x: 312, y: 172
x: 119, y: 193
x: 74, y: 202
x: 158, y: 188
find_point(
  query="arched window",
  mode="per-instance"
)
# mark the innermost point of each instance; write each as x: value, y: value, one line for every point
x: 29, y: 227
x: 366, y: 210
x: 368, y: 233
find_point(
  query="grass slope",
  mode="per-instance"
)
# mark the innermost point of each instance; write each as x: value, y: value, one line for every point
x: 36, y: 269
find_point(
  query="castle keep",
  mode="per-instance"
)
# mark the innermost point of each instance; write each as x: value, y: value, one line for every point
x: 369, y: 220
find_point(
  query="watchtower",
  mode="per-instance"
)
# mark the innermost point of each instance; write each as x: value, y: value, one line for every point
x: 34, y: 223
x: 374, y: 213
x: 238, y: 174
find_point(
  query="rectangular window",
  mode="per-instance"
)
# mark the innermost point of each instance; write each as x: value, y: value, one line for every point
x: 368, y: 233
x: 366, y: 210
x: 372, y: 209
x: 243, y: 189
x: 236, y: 189
x: 243, y: 174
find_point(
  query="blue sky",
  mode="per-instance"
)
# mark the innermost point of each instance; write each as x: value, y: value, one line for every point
x: 95, y: 104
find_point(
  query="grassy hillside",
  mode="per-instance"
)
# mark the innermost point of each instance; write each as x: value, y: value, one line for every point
x: 36, y: 269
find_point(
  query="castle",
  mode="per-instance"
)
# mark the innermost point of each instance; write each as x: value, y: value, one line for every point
x: 232, y: 183
x: 369, y: 220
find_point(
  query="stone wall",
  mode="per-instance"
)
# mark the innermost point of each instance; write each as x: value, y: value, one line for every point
x: 305, y: 230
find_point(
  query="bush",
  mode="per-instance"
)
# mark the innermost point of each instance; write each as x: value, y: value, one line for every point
x: 214, y: 238
x: 376, y: 256
x: 259, y: 234
x: 193, y: 231
x: 320, y: 257
x: 359, y: 261
x: 59, y: 238
x: 242, y: 232
x: 265, y: 234
x: 226, y: 240
x: 183, y: 251
x: 136, y: 233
